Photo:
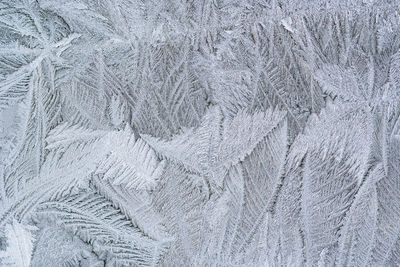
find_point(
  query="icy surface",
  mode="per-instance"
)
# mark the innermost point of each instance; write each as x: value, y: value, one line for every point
x: 199, y: 133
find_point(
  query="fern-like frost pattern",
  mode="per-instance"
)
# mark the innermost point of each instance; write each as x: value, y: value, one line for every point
x: 199, y: 133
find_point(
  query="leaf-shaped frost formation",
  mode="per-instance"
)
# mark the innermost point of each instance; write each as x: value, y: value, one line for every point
x: 20, y: 245
x: 216, y: 144
x: 358, y: 232
x: 131, y: 163
x: 340, y: 82
x: 136, y: 205
x: 388, y: 194
x: 334, y: 166
x: 114, y: 238
x: 244, y: 132
x: 200, y: 133
x: 195, y: 148
x: 252, y: 185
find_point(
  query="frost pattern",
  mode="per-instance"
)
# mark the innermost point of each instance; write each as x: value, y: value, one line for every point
x: 199, y: 133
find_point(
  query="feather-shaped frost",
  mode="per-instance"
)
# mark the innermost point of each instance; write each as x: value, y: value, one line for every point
x: 216, y: 144
x: 114, y: 238
x: 20, y: 245
x: 388, y: 188
x: 286, y: 224
x: 195, y: 148
x: 334, y: 167
x: 337, y: 81
x: 173, y: 133
x: 251, y: 188
x: 244, y: 132
x: 131, y: 163
x: 359, y: 230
